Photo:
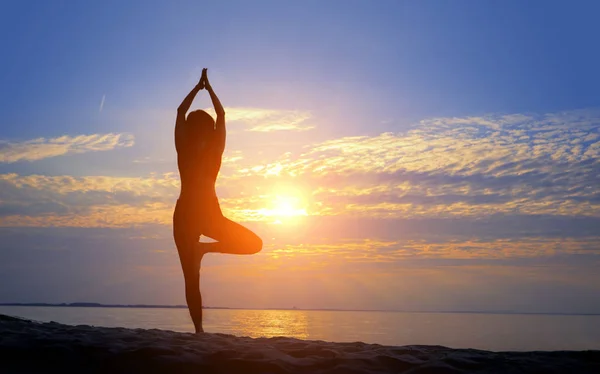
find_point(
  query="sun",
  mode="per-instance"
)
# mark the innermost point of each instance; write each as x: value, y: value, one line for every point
x: 288, y: 206
x: 285, y: 205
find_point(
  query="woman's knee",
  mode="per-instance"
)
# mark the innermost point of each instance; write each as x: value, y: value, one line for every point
x: 255, y: 244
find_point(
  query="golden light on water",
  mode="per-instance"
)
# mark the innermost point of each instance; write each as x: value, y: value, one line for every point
x: 268, y: 323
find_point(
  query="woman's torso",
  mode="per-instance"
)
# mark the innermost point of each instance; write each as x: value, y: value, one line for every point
x: 199, y: 164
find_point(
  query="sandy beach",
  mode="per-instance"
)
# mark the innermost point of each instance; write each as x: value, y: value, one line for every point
x: 34, y: 347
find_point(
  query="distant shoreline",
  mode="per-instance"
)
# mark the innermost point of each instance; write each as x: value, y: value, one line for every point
x: 141, y: 306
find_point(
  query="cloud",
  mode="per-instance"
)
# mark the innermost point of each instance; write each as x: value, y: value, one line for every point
x: 461, y: 169
x: 41, y: 148
x: 90, y: 201
x: 372, y: 255
x: 102, y: 104
x: 452, y: 167
x: 268, y: 120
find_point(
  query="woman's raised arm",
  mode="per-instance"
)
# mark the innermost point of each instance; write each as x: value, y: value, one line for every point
x: 220, y: 123
x: 183, y: 109
x: 187, y: 102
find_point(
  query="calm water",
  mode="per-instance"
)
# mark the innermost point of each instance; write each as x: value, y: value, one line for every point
x: 498, y: 332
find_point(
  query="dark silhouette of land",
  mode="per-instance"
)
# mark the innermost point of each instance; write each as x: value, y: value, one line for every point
x: 39, y: 347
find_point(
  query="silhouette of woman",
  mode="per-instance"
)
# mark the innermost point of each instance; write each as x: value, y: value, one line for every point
x: 200, y: 142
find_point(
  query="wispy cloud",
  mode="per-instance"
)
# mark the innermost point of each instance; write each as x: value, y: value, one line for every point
x: 267, y: 120
x: 102, y: 103
x: 40, y: 148
x: 378, y: 251
x: 92, y: 201
x: 452, y: 167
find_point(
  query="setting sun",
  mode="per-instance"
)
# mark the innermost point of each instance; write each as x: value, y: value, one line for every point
x: 288, y: 206
x: 285, y: 205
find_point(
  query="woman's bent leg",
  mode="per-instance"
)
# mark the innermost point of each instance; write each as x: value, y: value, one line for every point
x: 232, y: 238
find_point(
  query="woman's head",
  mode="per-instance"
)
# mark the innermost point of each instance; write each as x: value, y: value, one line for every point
x: 201, y: 123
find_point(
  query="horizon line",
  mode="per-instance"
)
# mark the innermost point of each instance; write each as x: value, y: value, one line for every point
x: 179, y: 306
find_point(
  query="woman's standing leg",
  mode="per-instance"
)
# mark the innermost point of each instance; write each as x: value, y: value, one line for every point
x: 190, y: 258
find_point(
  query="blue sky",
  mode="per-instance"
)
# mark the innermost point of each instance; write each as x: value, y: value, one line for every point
x: 438, y: 155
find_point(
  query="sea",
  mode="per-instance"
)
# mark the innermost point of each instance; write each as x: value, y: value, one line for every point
x: 486, y: 331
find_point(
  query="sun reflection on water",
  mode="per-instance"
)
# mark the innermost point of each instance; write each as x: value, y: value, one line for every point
x: 267, y: 323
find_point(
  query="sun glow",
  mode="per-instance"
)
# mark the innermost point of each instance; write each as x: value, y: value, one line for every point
x: 286, y: 205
